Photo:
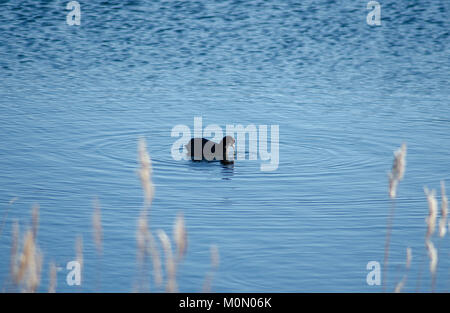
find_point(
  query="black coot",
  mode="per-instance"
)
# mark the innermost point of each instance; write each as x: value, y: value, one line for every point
x: 203, y: 149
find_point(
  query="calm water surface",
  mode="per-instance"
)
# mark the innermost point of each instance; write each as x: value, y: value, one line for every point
x: 75, y: 99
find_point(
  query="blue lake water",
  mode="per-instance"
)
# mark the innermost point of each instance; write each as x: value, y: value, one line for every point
x: 74, y: 100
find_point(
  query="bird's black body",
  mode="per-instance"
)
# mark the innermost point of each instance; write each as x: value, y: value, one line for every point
x: 203, y: 149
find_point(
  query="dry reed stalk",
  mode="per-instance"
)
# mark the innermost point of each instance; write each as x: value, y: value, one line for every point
x: 408, y: 257
x: 215, y: 260
x: 398, y: 170
x: 40, y: 262
x: 387, y: 244
x: 145, y: 241
x: 79, y: 253
x: 52, y: 278
x: 214, y: 250
x: 5, y: 215
x: 97, y: 226
x: 170, y: 262
x: 402, y: 283
x: 35, y: 220
x: 141, y: 235
x: 30, y: 263
x: 444, y: 212
x: 433, y: 255
x: 393, y: 183
x: 145, y: 172
x: 156, y: 260
x: 25, y: 258
x: 98, y: 239
x: 432, y: 251
x: 395, y: 176
x: 432, y: 212
x: 146, y: 246
x: 431, y: 226
x: 179, y: 233
x: 14, y: 251
x: 26, y: 268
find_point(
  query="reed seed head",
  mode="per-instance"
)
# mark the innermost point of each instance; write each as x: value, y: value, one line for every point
x: 408, y: 257
x: 444, y: 212
x: 30, y: 263
x: 170, y: 263
x: 52, y: 278
x: 432, y: 211
x: 179, y: 233
x: 398, y: 170
x: 433, y: 255
x: 392, y: 186
x: 145, y: 171
x: 26, y: 266
x: 215, y: 260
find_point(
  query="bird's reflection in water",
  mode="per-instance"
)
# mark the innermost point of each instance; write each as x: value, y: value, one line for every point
x: 227, y: 171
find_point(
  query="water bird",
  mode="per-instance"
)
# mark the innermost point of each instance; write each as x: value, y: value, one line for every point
x: 203, y: 149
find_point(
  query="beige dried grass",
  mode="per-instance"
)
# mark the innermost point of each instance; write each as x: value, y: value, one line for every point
x: 26, y: 266
x: 431, y: 227
x: 444, y: 212
x: 53, y: 271
x: 402, y: 283
x: 180, y: 235
x: 171, y: 285
x: 398, y: 170
x: 395, y: 176
x: 432, y: 212
x: 79, y: 252
x: 145, y: 172
x: 214, y: 254
x: 145, y: 241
